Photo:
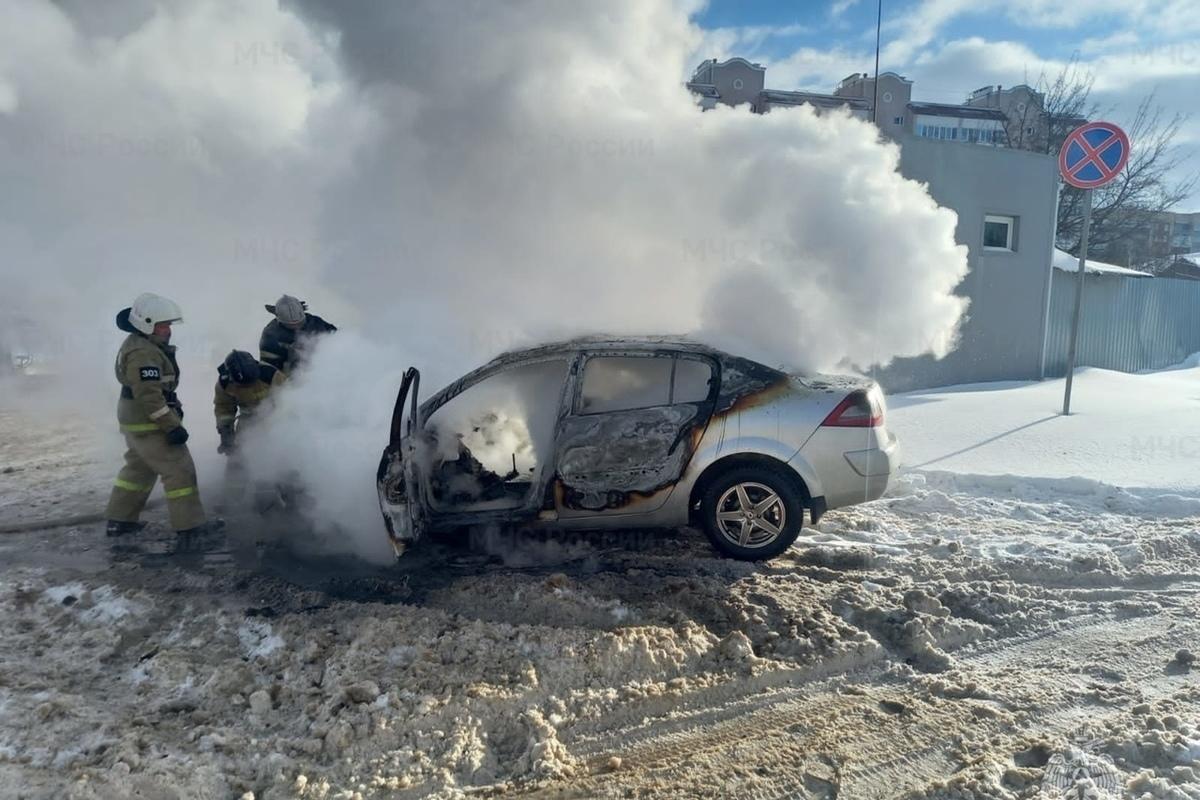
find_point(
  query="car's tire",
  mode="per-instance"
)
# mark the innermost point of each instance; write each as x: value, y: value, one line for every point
x: 776, y: 512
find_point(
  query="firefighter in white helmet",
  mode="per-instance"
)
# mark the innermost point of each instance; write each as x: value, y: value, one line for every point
x: 151, y: 418
x: 285, y: 338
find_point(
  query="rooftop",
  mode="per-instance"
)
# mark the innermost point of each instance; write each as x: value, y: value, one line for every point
x: 813, y: 98
x: 965, y: 112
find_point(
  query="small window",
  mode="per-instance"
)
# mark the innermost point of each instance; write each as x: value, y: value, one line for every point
x: 898, y: 120
x: 737, y: 83
x: 1029, y: 130
x: 999, y: 233
x: 616, y: 383
x: 887, y: 97
x: 692, y: 380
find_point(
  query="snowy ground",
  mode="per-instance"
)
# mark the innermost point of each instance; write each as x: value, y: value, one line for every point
x: 1125, y: 430
x: 965, y: 637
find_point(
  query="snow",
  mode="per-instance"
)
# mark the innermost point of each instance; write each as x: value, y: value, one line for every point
x: 1124, y: 430
x: 1027, y: 575
x: 1069, y: 263
x: 258, y: 639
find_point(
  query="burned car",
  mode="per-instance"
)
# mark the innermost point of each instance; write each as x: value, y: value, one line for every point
x: 634, y: 433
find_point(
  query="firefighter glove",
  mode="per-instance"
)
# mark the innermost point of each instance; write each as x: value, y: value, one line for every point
x: 177, y: 436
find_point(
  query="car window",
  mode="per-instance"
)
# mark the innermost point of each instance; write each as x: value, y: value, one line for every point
x: 692, y: 379
x: 616, y: 383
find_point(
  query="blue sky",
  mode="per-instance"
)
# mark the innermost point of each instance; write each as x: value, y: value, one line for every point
x: 950, y: 47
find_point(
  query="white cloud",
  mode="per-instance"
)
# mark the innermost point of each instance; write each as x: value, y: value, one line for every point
x: 840, y: 7
x: 723, y: 43
x: 815, y: 69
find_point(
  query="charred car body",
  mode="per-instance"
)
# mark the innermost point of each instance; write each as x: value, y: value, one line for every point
x: 602, y: 433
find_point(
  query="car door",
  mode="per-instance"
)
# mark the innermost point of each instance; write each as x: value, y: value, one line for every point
x: 632, y: 427
x: 487, y: 441
x: 397, y: 478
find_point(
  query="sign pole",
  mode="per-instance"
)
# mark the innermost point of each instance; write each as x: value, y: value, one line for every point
x: 1083, y: 249
x: 1091, y: 156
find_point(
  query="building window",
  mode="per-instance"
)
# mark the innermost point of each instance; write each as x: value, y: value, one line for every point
x: 737, y: 83
x: 999, y: 233
x: 898, y: 120
x: 887, y: 97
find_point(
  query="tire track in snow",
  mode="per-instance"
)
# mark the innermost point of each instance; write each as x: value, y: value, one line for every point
x: 852, y: 736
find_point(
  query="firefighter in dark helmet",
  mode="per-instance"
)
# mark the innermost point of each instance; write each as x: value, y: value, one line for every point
x: 151, y: 419
x: 243, y: 384
x: 285, y: 338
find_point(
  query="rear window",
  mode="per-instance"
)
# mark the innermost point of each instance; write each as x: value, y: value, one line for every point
x: 616, y: 383
x: 692, y: 381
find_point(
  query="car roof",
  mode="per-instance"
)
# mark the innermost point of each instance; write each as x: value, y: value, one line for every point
x: 739, y: 375
x: 607, y: 342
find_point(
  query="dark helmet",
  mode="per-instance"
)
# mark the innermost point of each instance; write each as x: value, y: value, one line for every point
x: 242, y: 367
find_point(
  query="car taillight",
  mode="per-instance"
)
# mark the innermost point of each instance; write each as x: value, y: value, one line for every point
x: 858, y: 410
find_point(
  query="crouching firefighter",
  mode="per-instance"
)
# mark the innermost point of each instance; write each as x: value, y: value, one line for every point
x: 243, y: 386
x: 151, y: 419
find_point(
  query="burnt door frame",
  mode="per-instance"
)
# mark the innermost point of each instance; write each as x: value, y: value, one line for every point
x: 535, y: 499
x: 641, y: 487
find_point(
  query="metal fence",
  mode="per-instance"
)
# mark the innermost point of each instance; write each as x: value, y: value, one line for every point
x: 1128, y: 323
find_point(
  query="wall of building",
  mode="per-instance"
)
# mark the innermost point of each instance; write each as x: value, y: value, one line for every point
x: 895, y: 93
x: 1002, y: 336
x: 1026, y: 127
x: 738, y: 81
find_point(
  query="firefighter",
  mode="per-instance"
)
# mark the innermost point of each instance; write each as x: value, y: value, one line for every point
x: 242, y: 386
x: 284, y: 338
x: 151, y: 418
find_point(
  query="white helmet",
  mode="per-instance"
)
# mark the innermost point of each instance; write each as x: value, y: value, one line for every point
x: 150, y: 309
x: 289, y: 310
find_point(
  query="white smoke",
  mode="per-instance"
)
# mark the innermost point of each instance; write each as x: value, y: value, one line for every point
x: 447, y: 179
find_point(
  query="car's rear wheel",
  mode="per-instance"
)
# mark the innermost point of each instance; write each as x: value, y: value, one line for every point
x: 752, y: 513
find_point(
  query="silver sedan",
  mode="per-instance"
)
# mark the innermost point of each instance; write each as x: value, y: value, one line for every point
x: 634, y: 433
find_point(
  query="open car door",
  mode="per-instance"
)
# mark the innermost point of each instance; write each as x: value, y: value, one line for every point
x: 396, y: 479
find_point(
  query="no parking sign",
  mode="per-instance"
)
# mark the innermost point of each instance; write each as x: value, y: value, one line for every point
x: 1092, y: 155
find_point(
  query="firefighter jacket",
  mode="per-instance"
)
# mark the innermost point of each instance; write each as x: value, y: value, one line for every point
x: 232, y: 400
x: 149, y: 376
x: 282, y: 347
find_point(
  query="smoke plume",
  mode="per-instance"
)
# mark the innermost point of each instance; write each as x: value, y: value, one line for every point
x: 444, y: 181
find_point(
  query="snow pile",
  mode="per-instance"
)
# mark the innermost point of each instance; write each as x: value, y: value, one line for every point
x: 969, y: 614
x: 1069, y: 263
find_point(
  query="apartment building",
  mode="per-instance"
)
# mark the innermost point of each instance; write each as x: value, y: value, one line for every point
x: 991, y: 115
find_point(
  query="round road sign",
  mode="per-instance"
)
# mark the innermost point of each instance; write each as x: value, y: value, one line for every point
x: 1093, y: 154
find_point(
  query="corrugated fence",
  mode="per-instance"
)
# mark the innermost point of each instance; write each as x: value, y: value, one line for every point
x: 1128, y: 323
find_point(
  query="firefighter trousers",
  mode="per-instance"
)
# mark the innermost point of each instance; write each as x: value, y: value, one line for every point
x: 149, y: 457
